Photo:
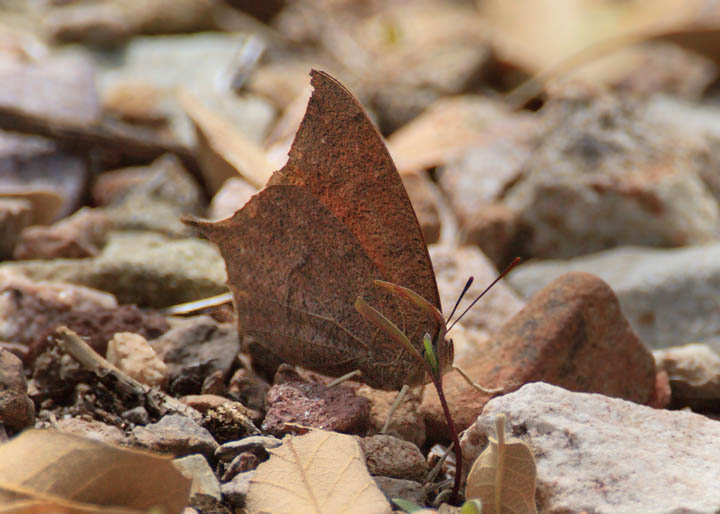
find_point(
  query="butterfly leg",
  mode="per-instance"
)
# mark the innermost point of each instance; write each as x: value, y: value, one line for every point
x: 398, y: 399
x: 474, y: 384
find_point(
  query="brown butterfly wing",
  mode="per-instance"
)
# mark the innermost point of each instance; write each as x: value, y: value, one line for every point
x: 340, y: 157
x: 295, y: 271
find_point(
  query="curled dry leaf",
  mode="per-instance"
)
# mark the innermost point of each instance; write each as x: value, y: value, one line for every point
x: 43, y: 468
x: 319, y: 472
x: 223, y: 151
x: 503, y: 476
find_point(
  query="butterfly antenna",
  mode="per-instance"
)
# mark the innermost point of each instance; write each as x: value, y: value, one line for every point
x: 507, y: 270
x: 462, y: 295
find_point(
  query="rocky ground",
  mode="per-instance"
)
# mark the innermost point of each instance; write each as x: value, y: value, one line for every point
x: 119, y: 118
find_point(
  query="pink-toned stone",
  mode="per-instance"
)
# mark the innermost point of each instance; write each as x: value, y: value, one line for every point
x: 91, y: 429
x: 79, y: 236
x: 571, y: 334
x: 315, y: 405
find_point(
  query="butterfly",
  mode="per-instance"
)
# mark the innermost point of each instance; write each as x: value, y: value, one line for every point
x: 327, y: 264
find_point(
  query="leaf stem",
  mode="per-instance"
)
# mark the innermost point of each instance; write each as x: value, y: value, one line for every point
x: 437, y: 382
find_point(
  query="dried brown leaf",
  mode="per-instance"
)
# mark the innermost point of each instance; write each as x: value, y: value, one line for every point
x: 58, y: 468
x: 222, y: 150
x: 319, y: 472
x: 503, y: 476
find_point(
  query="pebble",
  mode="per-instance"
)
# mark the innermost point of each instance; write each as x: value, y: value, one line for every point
x: 78, y: 236
x: 409, y: 490
x: 315, y: 405
x: 256, y: 444
x: 17, y: 411
x: 194, y: 349
x: 205, y: 489
x: 235, y: 491
x: 158, y: 272
x: 230, y: 421
x: 606, y: 455
x: 389, y: 456
x: 132, y: 354
x: 177, y: 435
x: 92, y: 429
x: 693, y: 371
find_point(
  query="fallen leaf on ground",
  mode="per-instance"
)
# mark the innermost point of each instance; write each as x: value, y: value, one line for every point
x: 223, y: 151
x: 503, y: 476
x: 319, y: 472
x: 44, y: 467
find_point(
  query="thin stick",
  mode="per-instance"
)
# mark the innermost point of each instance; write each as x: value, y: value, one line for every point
x: 403, y: 391
x: 73, y: 345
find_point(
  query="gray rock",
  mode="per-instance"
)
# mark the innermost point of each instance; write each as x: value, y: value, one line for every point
x: 605, y: 455
x: 177, y: 435
x: 603, y: 176
x: 205, y: 489
x: 196, y: 348
x: 141, y: 267
x: 162, y: 62
x: 235, y: 492
x: 228, y: 451
x: 694, y: 374
x: 392, y: 457
x: 669, y: 296
x: 157, y: 203
x: 409, y: 490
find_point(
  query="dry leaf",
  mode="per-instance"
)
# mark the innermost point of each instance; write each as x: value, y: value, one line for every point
x: 223, y: 151
x: 333, y: 220
x: 54, y: 467
x: 503, y: 476
x: 46, y: 204
x: 319, y: 472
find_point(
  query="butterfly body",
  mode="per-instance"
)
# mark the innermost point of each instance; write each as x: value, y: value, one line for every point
x: 328, y: 225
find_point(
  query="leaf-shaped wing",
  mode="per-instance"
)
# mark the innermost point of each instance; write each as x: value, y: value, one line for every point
x: 316, y: 473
